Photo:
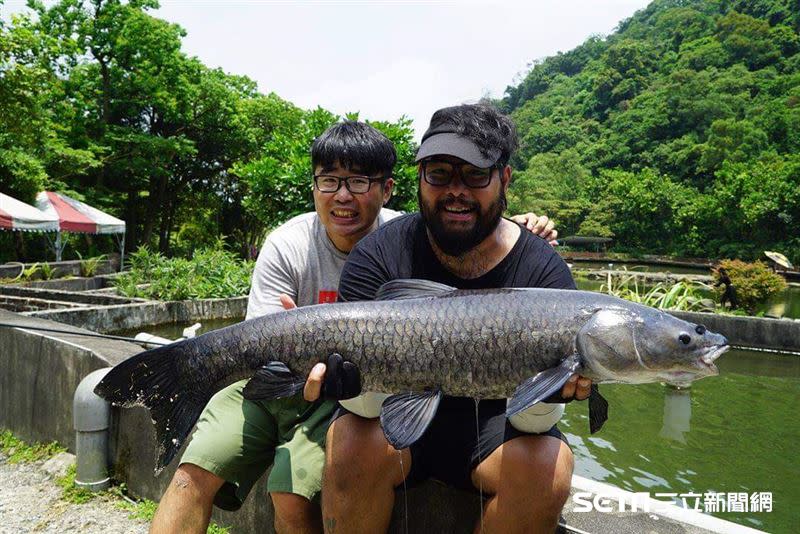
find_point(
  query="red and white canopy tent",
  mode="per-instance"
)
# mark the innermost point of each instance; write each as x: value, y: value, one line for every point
x: 16, y: 215
x: 75, y: 216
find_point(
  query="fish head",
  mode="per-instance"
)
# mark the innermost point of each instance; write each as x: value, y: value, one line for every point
x: 622, y: 345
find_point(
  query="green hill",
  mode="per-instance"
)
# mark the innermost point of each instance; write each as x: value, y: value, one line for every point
x: 679, y: 133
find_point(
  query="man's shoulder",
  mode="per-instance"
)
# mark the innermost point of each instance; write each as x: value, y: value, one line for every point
x: 392, y: 233
x: 386, y: 215
x: 540, y: 263
x: 291, y: 230
x: 304, y: 220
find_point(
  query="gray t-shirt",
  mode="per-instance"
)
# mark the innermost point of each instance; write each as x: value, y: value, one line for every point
x: 298, y: 259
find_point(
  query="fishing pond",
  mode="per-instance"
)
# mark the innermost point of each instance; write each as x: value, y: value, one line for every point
x: 733, y: 433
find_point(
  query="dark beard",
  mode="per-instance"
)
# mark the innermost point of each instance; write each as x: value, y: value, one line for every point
x: 457, y: 243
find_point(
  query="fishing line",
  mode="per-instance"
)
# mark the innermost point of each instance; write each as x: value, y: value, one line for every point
x: 86, y: 334
x: 405, y: 489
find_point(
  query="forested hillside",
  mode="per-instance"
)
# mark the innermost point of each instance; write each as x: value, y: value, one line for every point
x: 679, y: 133
x: 98, y: 100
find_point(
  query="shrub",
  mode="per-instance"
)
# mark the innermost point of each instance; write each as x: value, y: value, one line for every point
x: 754, y: 283
x: 89, y: 266
x: 48, y: 271
x: 211, y: 272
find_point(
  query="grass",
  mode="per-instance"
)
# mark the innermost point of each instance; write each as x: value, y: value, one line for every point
x: 678, y: 296
x: 70, y: 492
x: 19, y: 451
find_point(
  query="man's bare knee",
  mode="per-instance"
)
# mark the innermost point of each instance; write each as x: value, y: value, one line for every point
x: 195, y: 479
x: 550, y: 467
x: 186, y: 505
x: 295, y: 514
x: 357, y: 452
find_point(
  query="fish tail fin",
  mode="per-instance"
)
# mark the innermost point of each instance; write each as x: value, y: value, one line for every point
x: 152, y: 379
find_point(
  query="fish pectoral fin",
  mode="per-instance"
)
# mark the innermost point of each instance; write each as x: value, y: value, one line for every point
x: 598, y: 409
x: 273, y: 381
x: 541, y: 386
x: 406, y: 417
x: 411, y: 288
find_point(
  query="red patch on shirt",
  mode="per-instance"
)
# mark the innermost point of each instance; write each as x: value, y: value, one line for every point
x: 327, y: 297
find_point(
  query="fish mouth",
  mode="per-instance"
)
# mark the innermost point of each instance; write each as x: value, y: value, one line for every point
x: 706, y: 360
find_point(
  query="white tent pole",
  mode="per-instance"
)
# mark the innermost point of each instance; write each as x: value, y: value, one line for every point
x: 58, y: 246
x: 122, y: 252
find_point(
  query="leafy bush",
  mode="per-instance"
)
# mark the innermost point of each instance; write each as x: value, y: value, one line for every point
x: 89, y: 266
x: 754, y: 282
x: 48, y: 271
x: 212, y: 272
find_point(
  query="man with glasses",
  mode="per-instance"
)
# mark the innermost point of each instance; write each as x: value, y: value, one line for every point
x: 300, y: 262
x: 459, y: 238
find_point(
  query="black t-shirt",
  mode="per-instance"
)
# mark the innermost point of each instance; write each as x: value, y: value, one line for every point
x: 400, y: 249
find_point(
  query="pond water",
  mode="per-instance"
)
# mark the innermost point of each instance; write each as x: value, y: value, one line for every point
x: 737, y: 432
x: 175, y: 330
x: 600, y: 265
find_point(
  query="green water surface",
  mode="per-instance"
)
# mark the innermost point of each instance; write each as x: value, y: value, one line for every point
x: 737, y: 432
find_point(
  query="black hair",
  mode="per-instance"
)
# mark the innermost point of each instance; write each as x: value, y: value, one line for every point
x: 484, y: 125
x: 354, y: 144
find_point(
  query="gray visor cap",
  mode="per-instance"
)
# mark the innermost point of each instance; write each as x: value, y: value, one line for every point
x: 452, y: 144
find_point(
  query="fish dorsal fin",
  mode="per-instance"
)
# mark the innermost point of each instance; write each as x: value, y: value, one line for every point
x: 273, y: 381
x: 405, y: 417
x: 542, y: 385
x: 411, y: 288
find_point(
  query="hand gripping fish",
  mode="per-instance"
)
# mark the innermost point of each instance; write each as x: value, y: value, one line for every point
x: 420, y: 340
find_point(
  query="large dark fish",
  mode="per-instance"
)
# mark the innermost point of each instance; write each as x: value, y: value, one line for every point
x: 421, y: 339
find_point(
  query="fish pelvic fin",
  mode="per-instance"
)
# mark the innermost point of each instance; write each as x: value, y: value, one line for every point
x: 406, y: 417
x: 273, y: 381
x: 541, y: 386
x: 152, y: 379
x: 598, y: 409
x: 411, y: 288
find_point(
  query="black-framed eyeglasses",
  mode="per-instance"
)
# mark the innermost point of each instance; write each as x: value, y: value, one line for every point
x: 441, y: 173
x: 328, y: 183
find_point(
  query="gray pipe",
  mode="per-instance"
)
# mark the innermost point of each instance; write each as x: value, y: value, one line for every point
x: 92, y: 416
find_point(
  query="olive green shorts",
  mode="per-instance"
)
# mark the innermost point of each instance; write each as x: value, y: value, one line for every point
x: 237, y: 439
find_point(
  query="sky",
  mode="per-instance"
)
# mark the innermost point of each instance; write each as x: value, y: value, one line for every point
x: 385, y: 59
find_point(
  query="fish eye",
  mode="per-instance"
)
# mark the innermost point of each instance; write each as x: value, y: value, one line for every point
x: 700, y: 329
x: 685, y: 338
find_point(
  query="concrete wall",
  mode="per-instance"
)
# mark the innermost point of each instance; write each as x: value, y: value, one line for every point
x: 62, y: 268
x: 39, y: 374
x: 128, y: 316
x: 27, y: 304
x: 70, y: 284
x: 64, y: 296
x: 758, y: 332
